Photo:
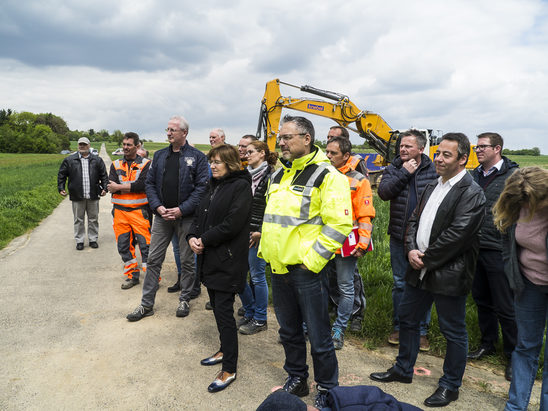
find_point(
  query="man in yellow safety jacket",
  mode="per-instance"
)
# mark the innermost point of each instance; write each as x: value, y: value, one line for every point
x: 130, y: 208
x: 338, y: 151
x: 307, y: 217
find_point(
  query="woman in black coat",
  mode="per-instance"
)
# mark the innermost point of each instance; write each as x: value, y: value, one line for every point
x: 220, y: 238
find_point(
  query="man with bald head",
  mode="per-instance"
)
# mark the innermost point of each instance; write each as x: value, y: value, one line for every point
x: 216, y: 137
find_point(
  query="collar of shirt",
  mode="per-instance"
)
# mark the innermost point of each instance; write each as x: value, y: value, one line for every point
x: 453, y: 180
x: 496, y: 167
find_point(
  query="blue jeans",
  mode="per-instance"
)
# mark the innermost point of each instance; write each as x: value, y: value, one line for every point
x: 531, y: 314
x: 345, y: 267
x: 175, y: 245
x: 301, y: 295
x: 451, y: 319
x: 255, y: 301
x: 399, y: 263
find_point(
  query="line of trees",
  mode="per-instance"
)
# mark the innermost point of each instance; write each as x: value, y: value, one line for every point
x: 26, y: 132
x: 535, y: 151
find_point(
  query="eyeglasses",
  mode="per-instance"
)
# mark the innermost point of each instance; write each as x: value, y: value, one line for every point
x: 249, y: 152
x: 172, y: 130
x: 482, y: 147
x: 216, y: 162
x: 287, y: 137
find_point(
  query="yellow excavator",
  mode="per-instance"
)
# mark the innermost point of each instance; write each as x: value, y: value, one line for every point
x: 370, y: 126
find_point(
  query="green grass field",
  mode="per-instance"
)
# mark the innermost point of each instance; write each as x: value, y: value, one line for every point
x: 28, y: 192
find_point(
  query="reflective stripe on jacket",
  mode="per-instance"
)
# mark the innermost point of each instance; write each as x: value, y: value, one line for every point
x: 308, y: 214
x: 130, y: 175
x: 363, y: 211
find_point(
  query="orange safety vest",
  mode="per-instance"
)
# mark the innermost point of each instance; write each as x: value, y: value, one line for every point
x: 361, y: 194
x: 131, y: 175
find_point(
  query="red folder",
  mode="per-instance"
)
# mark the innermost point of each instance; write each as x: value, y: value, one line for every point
x: 351, y: 242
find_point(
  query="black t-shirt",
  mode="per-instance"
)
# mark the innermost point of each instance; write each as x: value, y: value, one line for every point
x: 170, y: 189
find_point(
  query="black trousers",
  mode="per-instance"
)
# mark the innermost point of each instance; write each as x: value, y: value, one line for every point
x: 495, y: 302
x: 223, y: 309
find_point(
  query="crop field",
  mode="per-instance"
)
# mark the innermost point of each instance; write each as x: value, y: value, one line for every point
x: 28, y: 192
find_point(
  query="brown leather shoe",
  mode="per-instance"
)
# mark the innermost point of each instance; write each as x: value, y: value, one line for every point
x: 394, y: 338
x: 424, y: 344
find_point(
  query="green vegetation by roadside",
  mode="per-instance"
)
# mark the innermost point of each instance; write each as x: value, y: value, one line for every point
x: 528, y: 160
x: 28, y: 192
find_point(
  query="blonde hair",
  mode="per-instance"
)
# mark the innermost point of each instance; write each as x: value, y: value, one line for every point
x: 526, y: 187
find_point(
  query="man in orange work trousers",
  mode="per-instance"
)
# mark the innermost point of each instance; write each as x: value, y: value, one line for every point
x: 130, y: 208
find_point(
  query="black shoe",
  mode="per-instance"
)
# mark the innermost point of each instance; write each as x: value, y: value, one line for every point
x: 253, y: 327
x: 214, y: 359
x: 356, y: 324
x: 243, y: 321
x: 508, y: 371
x: 130, y: 282
x: 389, y: 376
x: 480, y: 353
x: 183, y: 309
x: 441, y: 397
x: 208, y: 306
x: 321, y: 398
x: 296, y: 385
x: 174, y: 288
x: 93, y: 244
x: 80, y: 246
x: 241, y: 311
x: 139, y: 313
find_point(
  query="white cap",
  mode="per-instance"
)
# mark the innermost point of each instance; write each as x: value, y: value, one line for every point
x: 83, y: 140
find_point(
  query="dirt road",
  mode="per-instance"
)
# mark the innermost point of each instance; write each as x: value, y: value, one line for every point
x: 65, y: 342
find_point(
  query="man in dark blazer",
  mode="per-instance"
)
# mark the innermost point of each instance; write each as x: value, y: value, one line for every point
x: 442, y: 245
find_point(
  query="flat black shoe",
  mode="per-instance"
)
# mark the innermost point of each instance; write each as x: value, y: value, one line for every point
x: 174, y: 288
x: 508, y: 371
x: 389, y: 376
x: 93, y: 244
x: 441, y: 397
x: 214, y: 359
x: 80, y: 246
x: 208, y: 306
x: 480, y: 353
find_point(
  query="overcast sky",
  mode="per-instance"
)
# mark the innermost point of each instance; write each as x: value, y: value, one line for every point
x: 468, y: 66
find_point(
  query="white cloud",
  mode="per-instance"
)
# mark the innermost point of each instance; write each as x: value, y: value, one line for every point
x: 454, y: 65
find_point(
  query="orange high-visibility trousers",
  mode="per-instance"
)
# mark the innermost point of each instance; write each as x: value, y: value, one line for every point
x: 130, y: 228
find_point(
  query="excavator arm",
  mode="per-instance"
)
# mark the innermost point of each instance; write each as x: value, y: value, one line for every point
x: 368, y: 125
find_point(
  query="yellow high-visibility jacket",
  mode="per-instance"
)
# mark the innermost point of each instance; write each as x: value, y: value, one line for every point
x: 308, y: 214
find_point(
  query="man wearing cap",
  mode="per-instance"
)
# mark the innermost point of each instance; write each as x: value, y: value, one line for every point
x: 87, y: 180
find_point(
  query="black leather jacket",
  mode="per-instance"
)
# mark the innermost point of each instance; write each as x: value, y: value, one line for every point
x: 451, y: 256
x: 71, y: 168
